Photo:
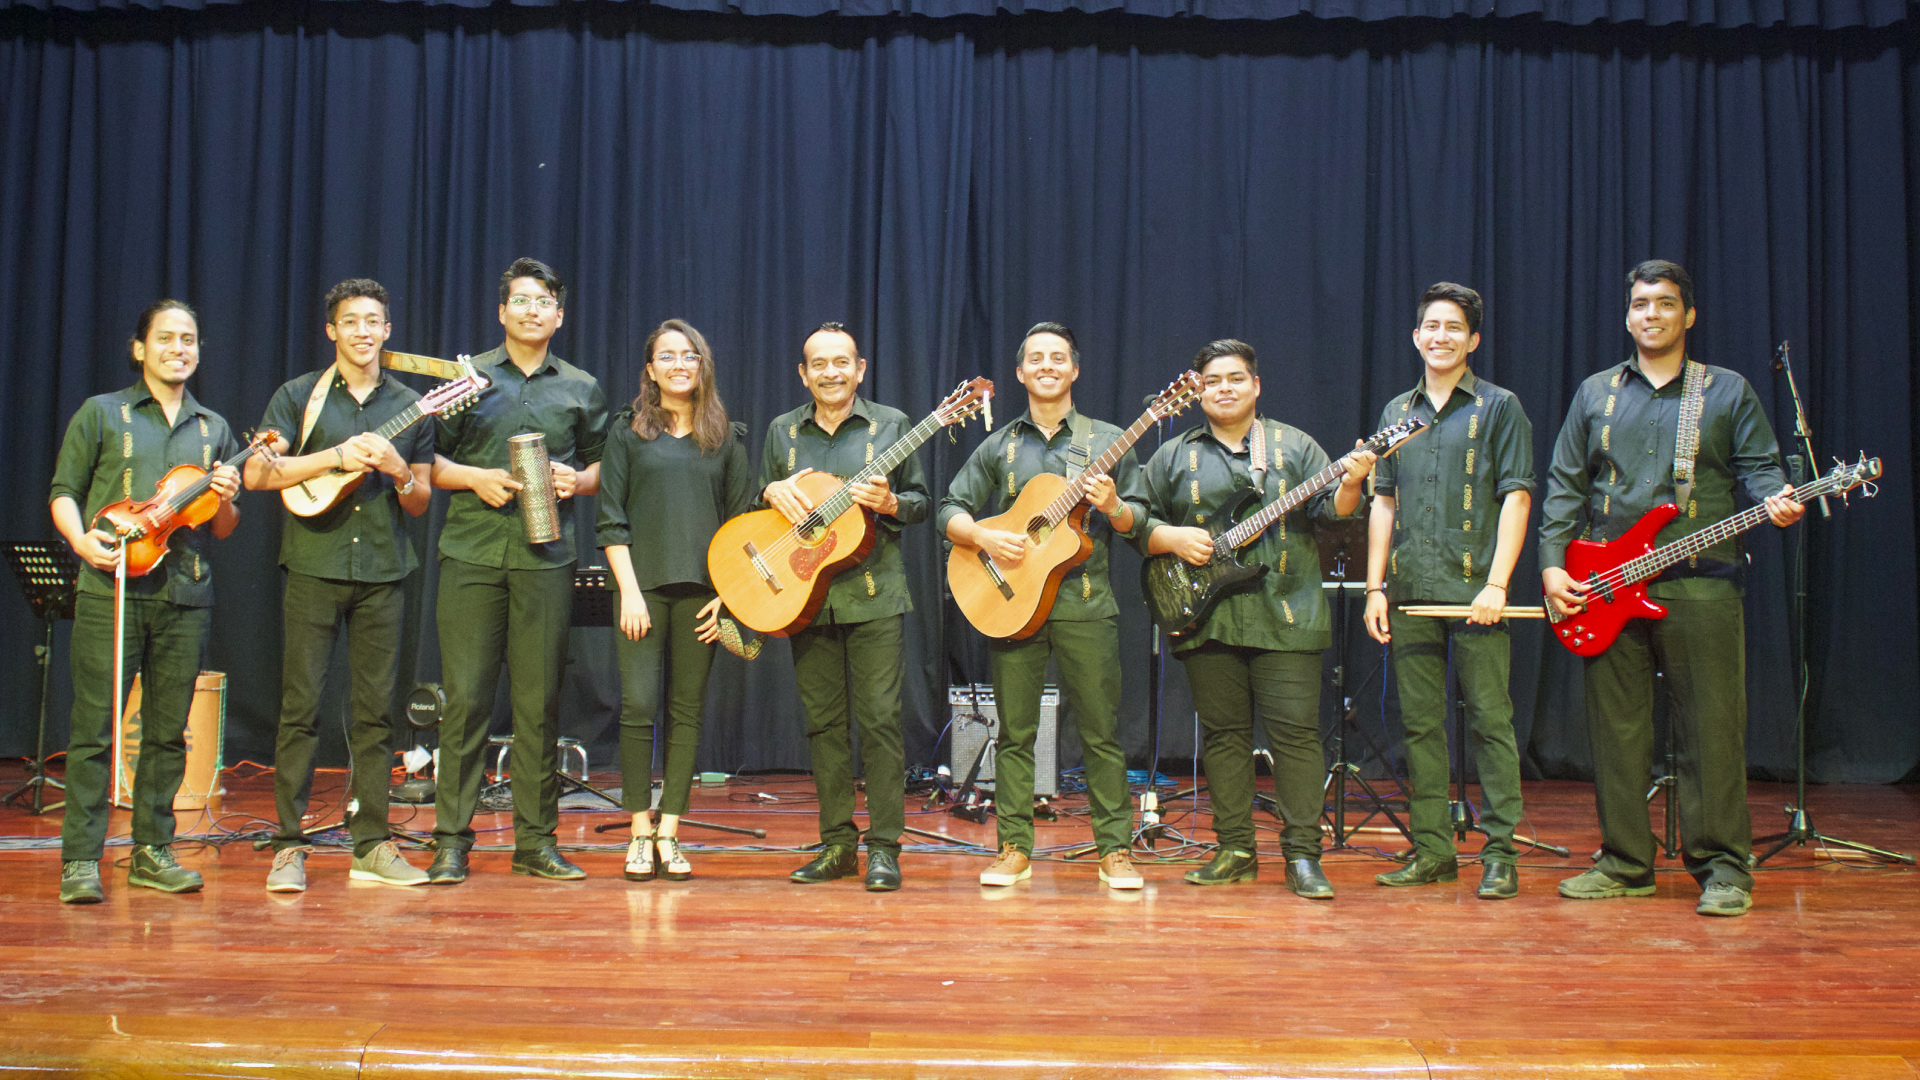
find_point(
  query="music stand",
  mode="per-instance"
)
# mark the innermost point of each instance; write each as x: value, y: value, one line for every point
x: 48, y: 573
x: 1335, y: 541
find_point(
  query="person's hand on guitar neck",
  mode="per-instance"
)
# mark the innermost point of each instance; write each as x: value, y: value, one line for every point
x: 1782, y: 510
x: 786, y: 497
x: 1567, y: 596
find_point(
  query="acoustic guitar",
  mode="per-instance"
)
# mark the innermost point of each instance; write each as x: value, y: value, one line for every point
x: 773, y: 574
x: 1180, y: 596
x: 318, y: 494
x: 183, y: 499
x: 1011, y: 600
x: 1616, y: 572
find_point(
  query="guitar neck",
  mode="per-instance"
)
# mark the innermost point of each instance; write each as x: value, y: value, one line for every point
x: 401, y: 421
x: 1247, y: 531
x: 842, y: 499
x: 1060, y: 507
x: 1655, y: 562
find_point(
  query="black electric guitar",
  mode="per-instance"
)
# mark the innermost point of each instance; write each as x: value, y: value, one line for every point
x: 1180, y: 595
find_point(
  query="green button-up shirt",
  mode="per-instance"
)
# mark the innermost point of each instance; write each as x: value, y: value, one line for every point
x: 559, y: 401
x: 991, y: 480
x: 877, y: 586
x: 1194, y: 478
x: 1614, y: 462
x: 364, y: 537
x: 1448, y: 484
x: 665, y: 498
x: 119, y: 446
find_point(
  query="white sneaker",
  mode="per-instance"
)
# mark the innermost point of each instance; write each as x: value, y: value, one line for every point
x: 640, y: 864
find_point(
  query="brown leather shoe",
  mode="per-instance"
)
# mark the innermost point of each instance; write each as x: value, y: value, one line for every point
x: 1011, y: 866
x: 1117, y: 872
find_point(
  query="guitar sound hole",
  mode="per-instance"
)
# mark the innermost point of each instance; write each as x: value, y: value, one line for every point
x: 1039, y: 532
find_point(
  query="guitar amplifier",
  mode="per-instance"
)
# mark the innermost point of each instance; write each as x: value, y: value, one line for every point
x: 976, y: 722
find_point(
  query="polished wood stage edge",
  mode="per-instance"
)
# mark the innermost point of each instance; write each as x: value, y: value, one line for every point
x: 737, y: 973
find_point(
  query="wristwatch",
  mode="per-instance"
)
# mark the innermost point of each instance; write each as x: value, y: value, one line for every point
x: 408, y: 488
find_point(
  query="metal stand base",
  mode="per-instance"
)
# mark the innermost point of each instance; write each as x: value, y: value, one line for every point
x: 1800, y: 830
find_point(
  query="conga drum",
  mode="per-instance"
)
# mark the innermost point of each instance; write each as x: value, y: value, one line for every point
x: 206, y: 735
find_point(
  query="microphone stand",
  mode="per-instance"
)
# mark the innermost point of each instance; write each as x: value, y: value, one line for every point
x: 1800, y: 828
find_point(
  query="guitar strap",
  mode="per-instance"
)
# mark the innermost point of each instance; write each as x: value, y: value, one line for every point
x: 1080, y: 454
x: 315, y: 402
x: 1257, y: 457
x: 1686, y: 443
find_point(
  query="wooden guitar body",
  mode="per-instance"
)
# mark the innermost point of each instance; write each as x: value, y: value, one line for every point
x: 317, y: 494
x: 1593, y: 629
x: 1180, y: 595
x: 149, y: 524
x: 1014, y: 604
x: 772, y: 585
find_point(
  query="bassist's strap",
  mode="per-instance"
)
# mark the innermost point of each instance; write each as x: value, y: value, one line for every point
x: 1686, y: 443
x: 1257, y: 457
x: 315, y: 402
x: 1080, y: 454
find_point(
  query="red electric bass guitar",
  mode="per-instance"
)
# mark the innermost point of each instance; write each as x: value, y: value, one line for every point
x: 1616, y: 573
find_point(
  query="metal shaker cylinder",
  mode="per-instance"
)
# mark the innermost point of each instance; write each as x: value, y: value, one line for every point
x: 539, y: 506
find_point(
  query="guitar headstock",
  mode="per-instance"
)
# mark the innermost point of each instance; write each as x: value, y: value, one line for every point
x: 452, y: 396
x: 1179, y: 394
x: 1861, y: 474
x: 969, y: 398
x: 1388, y: 439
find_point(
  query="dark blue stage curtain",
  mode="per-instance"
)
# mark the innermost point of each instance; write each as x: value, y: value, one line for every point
x: 939, y: 186
x: 1721, y: 14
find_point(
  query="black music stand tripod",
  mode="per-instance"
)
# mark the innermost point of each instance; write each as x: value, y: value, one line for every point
x: 1334, y: 562
x: 48, y: 573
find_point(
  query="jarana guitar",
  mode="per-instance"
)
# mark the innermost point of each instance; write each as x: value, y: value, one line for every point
x: 183, y: 499
x: 773, y: 574
x: 1616, y: 572
x: 318, y: 494
x: 1010, y: 601
x: 1180, y: 595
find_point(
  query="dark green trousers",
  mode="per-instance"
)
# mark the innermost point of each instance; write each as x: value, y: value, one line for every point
x: 671, y: 649
x: 1235, y: 688
x: 1482, y: 658
x: 855, y: 668
x: 315, y: 611
x: 1702, y: 647
x: 488, y: 615
x: 162, y: 644
x: 1089, y: 657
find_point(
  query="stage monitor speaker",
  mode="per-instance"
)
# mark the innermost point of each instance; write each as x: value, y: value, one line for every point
x: 976, y: 721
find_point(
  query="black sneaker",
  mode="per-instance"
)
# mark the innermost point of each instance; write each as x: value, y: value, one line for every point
x: 546, y: 862
x: 1226, y: 866
x: 833, y: 863
x: 883, y: 870
x: 80, y: 882
x: 154, y: 867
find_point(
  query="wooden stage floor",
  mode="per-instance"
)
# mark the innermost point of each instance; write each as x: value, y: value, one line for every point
x: 737, y: 973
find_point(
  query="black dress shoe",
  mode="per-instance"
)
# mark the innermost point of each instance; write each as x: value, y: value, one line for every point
x: 1305, y: 879
x: 1498, y: 881
x: 449, y: 867
x: 883, y: 870
x: 546, y: 862
x: 1423, y: 870
x: 1226, y: 866
x: 833, y: 863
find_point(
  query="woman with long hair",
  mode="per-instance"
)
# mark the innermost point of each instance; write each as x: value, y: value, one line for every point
x: 674, y: 469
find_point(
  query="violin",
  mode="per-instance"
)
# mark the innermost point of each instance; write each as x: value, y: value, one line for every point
x: 183, y: 499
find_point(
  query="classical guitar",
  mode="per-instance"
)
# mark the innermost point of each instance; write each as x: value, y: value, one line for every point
x: 183, y: 499
x: 1180, y: 595
x: 773, y: 574
x: 1616, y: 573
x: 1011, y: 600
x: 318, y: 494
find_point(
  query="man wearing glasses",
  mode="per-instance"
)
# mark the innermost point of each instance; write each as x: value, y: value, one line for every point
x: 345, y: 567
x: 502, y: 598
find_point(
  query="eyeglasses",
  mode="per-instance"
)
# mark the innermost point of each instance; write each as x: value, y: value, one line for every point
x: 688, y: 359
x: 542, y: 303
x: 353, y: 323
